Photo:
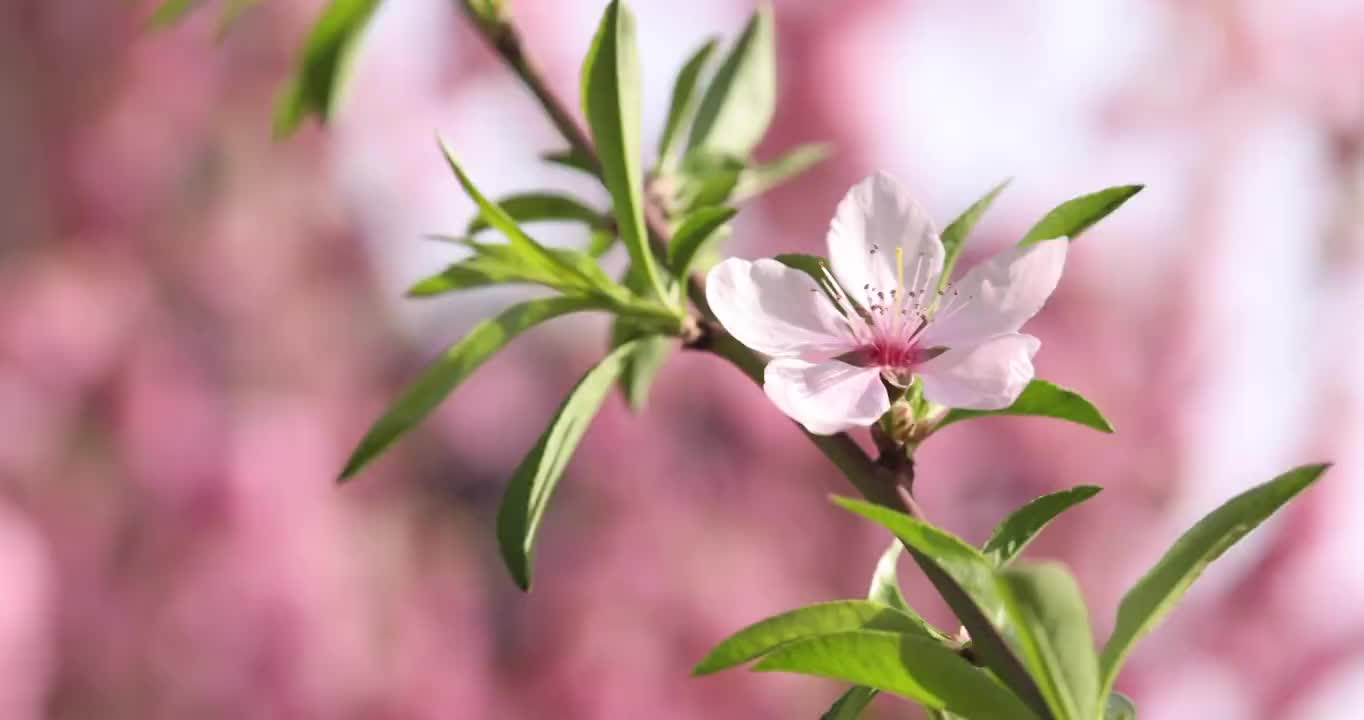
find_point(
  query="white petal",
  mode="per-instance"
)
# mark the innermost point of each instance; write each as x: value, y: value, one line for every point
x: 776, y: 310
x: 988, y: 376
x: 1000, y: 295
x: 873, y: 219
x: 826, y: 397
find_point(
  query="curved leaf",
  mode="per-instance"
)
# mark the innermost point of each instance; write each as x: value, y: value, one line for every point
x: 913, y: 667
x: 885, y: 582
x: 683, y: 100
x: 849, y: 705
x: 572, y: 159
x: 1074, y: 216
x: 761, y: 637
x: 757, y: 179
x: 1021, y: 526
x: 954, y: 237
x: 611, y: 95
x: 696, y: 228
x: 1042, y: 399
x: 1052, y: 627
x: 531, y: 487
x: 1152, y: 597
x: 742, y: 97
x: 451, y: 368
x: 1120, y: 707
x: 537, y: 206
x: 316, y: 85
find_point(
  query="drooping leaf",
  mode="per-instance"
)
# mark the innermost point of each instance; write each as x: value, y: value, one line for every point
x: 964, y: 579
x: 1051, y: 624
x: 451, y: 368
x: 541, y: 206
x: 643, y: 364
x: 316, y: 85
x: 1120, y: 707
x: 696, y: 228
x: 910, y: 666
x: 599, y: 241
x: 1152, y: 597
x: 611, y: 102
x: 1074, y: 216
x: 762, y: 637
x: 704, y: 179
x: 954, y: 237
x: 499, y: 263
x: 739, y: 102
x: 683, y: 102
x: 533, y: 484
x: 573, y: 159
x: 1021, y: 526
x: 850, y: 704
x: 1042, y: 399
x: 758, y: 179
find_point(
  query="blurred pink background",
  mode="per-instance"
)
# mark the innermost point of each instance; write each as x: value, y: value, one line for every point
x: 198, y: 323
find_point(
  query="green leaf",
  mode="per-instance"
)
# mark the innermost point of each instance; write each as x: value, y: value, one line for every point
x: 1152, y: 597
x: 1120, y: 707
x: 599, y: 241
x: 1074, y: 216
x: 696, y: 228
x: 954, y: 237
x: 742, y: 97
x: 885, y: 582
x: 683, y: 101
x: 849, y: 705
x: 499, y: 263
x: 571, y: 269
x: 611, y: 102
x: 1021, y: 526
x: 538, y: 206
x: 451, y: 368
x: 1042, y: 399
x: 913, y: 667
x: 170, y: 12
x: 1052, y: 627
x: 316, y: 85
x: 573, y: 159
x: 965, y: 580
x: 762, y: 637
x: 643, y: 364
x: 758, y: 179
x: 531, y: 487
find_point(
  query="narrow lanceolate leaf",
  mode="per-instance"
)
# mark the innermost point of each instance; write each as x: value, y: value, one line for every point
x: 758, y: 179
x: 910, y: 666
x: 762, y: 637
x: 1021, y: 526
x: 1073, y: 217
x: 1152, y: 597
x: 1043, y: 399
x: 642, y: 365
x: 683, y: 103
x: 573, y: 269
x: 885, y: 582
x: 1051, y: 624
x: 849, y: 705
x: 316, y: 85
x: 965, y: 580
x: 451, y: 368
x: 611, y: 99
x: 954, y: 237
x: 739, y: 103
x: 691, y: 236
x: 500, y: 263
x: 531, y: 487
x: 571, y: 158
x: 544, y: 206
x: 1120, y: 707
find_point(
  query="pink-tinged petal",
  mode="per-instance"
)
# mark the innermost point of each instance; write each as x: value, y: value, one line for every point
x: 998, y: 295
x: 873, y: 219
x: 988, y: 376
x: 826, y: 397
x: 776, y: 310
